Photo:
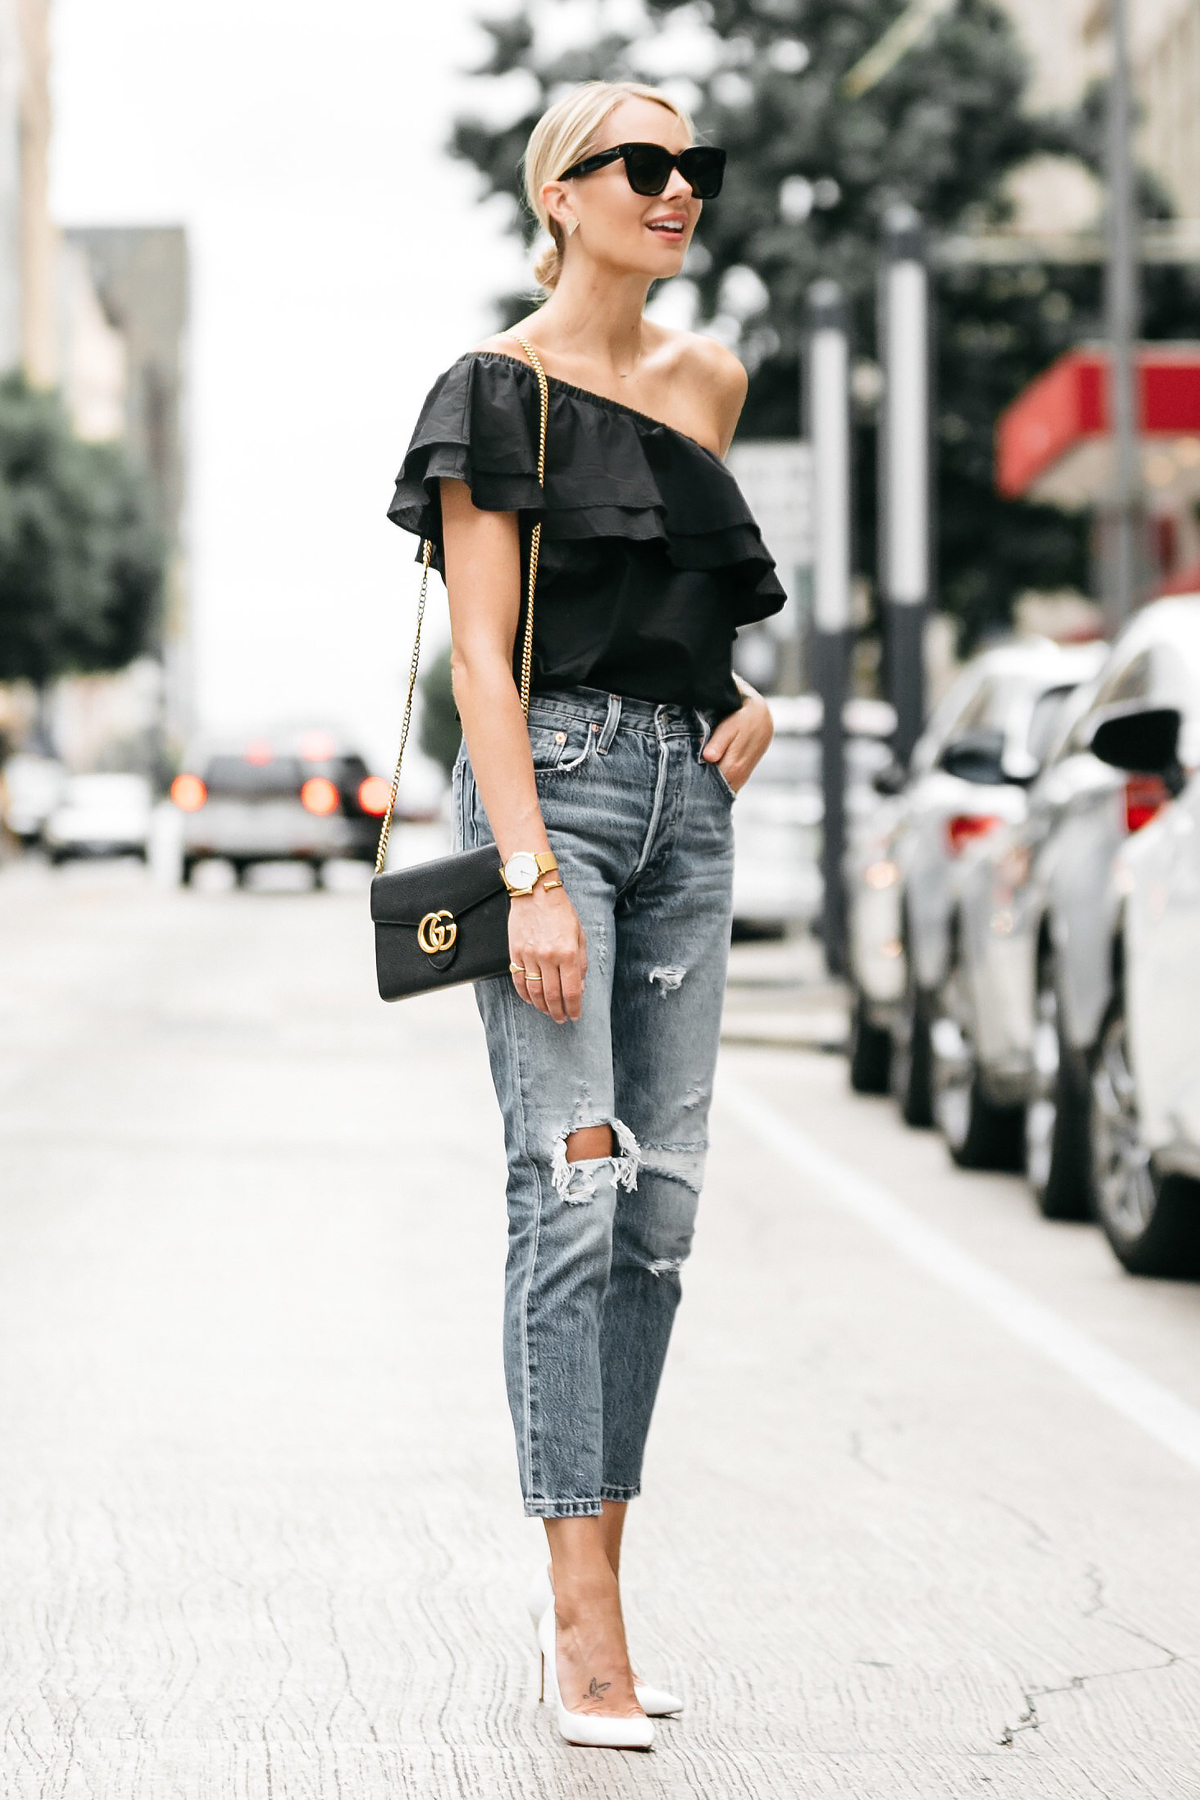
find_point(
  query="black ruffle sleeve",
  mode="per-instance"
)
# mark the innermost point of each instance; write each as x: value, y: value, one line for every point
x: 611, y: 473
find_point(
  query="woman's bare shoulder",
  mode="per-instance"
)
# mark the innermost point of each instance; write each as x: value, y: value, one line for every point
x: 715, y: 375
x: 502, y: 342
x: 714, y: 365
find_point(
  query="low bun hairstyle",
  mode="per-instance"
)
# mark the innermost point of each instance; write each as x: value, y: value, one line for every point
x: 564, y: 135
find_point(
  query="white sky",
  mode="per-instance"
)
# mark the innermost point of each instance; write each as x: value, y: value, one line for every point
x: 339, y: 261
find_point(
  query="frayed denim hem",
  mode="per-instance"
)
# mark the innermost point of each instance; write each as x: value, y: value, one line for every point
x: 620, y: 1493
x: 562, y: 1509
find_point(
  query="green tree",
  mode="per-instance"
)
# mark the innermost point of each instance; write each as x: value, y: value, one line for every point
x: 811, y: 173
x: 441, y: 730
x: 81, y: 557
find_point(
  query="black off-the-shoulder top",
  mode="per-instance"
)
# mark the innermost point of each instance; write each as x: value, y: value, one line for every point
x: 650, y: 559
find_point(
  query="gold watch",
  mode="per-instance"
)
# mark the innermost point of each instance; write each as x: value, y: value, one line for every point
x: 525, y: 868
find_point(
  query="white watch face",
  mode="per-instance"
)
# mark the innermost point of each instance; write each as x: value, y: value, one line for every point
x: 521, y: 870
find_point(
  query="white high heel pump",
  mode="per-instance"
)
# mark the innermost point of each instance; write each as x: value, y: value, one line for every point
x: 597, y: 1731
x: 656, y: 1703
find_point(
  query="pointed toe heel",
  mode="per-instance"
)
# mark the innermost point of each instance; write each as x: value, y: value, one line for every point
x: 594, y: 1731
x: 655, y: 1702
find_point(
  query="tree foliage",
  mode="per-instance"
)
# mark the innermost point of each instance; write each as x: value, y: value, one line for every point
x: 811, y: 174
x: 441, y: 729
x: 81, y: 557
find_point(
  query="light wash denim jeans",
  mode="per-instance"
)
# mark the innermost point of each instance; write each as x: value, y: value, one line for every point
x: 642, y: 830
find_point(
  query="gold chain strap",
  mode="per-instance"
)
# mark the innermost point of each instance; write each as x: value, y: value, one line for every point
x: 535, y: 543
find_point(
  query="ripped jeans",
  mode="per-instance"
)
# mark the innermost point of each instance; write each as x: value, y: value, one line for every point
x: 642, y: 830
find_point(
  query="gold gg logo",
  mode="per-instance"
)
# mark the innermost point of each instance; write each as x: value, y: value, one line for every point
x: 433, y: 935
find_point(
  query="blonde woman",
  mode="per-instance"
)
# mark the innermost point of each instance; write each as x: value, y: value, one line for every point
x: 610, y: 811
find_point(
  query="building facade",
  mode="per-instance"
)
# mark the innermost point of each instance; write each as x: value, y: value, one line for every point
x: 99, y: 314
x: 27, y: 238
x: 1068, y: 42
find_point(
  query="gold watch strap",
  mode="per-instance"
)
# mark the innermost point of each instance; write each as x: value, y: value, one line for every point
x: 546, y: 863
x: 535, y: 543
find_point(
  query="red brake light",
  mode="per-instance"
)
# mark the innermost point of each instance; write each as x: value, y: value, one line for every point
x: 964, y: 828
x: 189, y: 793
x: 319, y: 795
x: 259, y: 753
x: 1144, y: 796
x: 373, y: 795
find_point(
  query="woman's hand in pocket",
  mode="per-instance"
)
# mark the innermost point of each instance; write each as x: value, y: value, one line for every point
x: 547, y: 948
x: 739, y: 742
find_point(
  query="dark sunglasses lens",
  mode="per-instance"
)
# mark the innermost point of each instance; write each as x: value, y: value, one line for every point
x: 703, y: 168
x: 648, y: 167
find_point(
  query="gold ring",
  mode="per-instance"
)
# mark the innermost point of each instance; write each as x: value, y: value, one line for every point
x: 529, y: 978
x: 515, y: 969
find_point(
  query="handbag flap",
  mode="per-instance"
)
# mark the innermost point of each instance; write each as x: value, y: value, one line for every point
x: 455, y: 884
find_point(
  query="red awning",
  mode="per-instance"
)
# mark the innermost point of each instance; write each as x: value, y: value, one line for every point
x: 1054, y: 442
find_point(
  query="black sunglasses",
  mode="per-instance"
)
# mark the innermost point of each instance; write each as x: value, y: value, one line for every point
x: 648, y: 167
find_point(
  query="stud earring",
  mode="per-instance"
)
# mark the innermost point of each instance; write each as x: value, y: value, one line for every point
x: 572, y: 227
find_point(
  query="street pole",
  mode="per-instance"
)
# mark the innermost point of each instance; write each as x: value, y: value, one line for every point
x: 827, y: 399
x: 1121, y: 300
x: 904, y: 469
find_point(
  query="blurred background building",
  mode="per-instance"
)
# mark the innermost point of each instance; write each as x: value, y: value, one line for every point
x: 98, y: 316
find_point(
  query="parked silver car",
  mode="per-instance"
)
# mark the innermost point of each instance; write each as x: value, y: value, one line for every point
x: 967, y: 778
x: 297, y: 797
x: 1145, y: 1070
x: 1021, y: 1009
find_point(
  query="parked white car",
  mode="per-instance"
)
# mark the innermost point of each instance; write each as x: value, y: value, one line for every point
x: 967, y: 778
x: 1145, y: 1070
x: 100, y: 815
x: 1037, y: 918
x: 32, y: 787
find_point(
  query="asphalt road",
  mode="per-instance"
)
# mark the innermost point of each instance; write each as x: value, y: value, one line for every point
x: 922, y: 1501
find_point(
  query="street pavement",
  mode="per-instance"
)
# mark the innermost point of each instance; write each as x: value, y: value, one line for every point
x: 922, y: 1497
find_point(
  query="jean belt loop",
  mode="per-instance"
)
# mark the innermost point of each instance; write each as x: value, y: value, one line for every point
x: 608, y: 730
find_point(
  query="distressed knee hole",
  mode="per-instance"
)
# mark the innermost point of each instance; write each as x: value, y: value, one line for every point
x: 586, y: 1152
x: 588, y: 1142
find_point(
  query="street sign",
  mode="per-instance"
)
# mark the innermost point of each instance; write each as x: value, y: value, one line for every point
x: 776, y: 477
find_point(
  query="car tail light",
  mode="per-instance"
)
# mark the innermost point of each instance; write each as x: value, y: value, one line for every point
x: 259, y: 753
x: 318, y: 795
x: 964, y: 828
x: 189, y: 793
x: 373, y: 795
x: 1144, y: 796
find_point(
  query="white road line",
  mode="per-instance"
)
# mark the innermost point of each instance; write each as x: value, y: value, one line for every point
x: 1145, y: 1402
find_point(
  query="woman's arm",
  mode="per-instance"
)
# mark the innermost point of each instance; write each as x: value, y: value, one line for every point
x: 483, y: 580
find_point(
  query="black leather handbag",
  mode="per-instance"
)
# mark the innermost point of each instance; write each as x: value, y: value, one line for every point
x: 446, y: 922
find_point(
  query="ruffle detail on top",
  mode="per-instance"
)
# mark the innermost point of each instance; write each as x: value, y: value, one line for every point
x: 611, y: 473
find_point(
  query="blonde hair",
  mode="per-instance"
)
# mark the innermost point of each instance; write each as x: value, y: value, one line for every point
x: 563, y: 136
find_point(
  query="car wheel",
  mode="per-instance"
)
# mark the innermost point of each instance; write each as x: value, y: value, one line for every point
x: 1152, y: 1221
x: 869, y: 1048
x: 978, y: 1134
x: 912, y: 1057
x: 1056, y: 1113
x: 187, y: 870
